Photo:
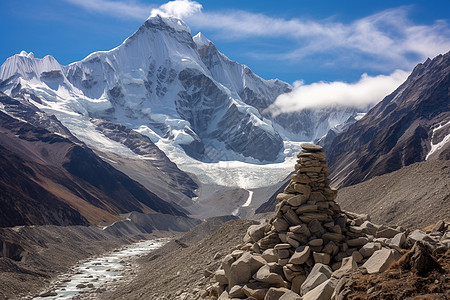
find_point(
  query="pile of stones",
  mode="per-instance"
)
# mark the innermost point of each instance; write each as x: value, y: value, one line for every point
x: 309, y: 248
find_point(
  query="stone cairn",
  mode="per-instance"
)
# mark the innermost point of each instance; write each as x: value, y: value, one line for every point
x: 309, y: 248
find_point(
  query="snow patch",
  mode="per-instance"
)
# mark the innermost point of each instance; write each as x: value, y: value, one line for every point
x: 441, y: 144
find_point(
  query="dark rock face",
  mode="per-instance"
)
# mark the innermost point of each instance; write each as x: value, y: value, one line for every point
x: 204, y: 108
x: 47, y: 178
x: 142, y: 145
x: 399, y: 130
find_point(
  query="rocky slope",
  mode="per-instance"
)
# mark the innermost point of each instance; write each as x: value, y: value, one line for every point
x: 310, y: 248
x: 412, y: 197
x: 48, y: 178
x: 410, y: 125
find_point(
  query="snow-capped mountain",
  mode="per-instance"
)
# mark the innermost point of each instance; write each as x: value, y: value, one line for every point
x: 172, y: 87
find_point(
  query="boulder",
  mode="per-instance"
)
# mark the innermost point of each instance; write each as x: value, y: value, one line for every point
x: 275, y: 293
x: 386, y: 232
x: 237, y: 291
x: 323, y: 291
x: 280, y: 225
x: 319, y: 274
x: 348, y: 265
x: 256, y: 290
x: 369, y: 249
x: 322, y: 258
x: 399, y: 240
x: 379, y: 261
x: 270, y: 274
x: 255, y: 233
x: 269, y: 255
x: 220, y: 277
x: 241, y: 270
x: 300, y: 255
x: 290, y: 296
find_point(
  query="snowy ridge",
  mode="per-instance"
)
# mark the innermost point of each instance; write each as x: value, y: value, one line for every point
x: 198, y: 106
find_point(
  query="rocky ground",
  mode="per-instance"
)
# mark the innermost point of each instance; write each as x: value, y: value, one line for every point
x: 178, y: 269
x: 32, y: 257
x: 413, y: 197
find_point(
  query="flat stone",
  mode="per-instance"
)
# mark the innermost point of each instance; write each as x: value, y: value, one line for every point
x: 265, y: 274
x: 292, y: 242
x: 290, y: 296
x: 306, y: 208
x: 308, y: 217
x: 302, y: 189
x: 303, y: 239
x: 317, y: 197
x: 300, y: 179
x: 275, y: 293
x: 418, y: 235
x: 358, y: 242
x: 297, y: 200
x: 311, y: 147
x: 379, y: 261
x: 237, y: 291
x: 386, y: 232
x: 316, y: 242
x: 335, y: 237
x: 280, y: 224
x: 283, y: 196
x: 322, y: 258
x: 256, y: 290
x: 282, y: 246
x: 292, y: 218
x: 368, y: 249
x: 331, y: 248
x: 283, y: 253
x: 300, y: 255
x: 316, y: 227
x: 269, y: 255
x: 300, y: 229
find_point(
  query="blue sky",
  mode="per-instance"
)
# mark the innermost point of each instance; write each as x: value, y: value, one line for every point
x: 300, y: 41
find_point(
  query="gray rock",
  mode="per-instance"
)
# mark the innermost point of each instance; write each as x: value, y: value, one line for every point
x: 418, y: 235
x: 275, y: 293
x: 399, y: 240
x: 348, y: 265
x: 255, y: 233
x: 369, y: 249
x: 223, y: 296
x: 257, y: 290
x: 379, y: 261
x: 270, y: 274
x: 386, y: 232
x: 241, y: 270
x: 220, y: 277
x: 324, y: 291
x: 237, y: 291
x: 358, y: 242
x: 269, y: 255
x: 298, y: 200
x: 319, y: 274
x: 300, y: 255
x: 280, y: 225
x: 322, y: 258
x: 311, y: 147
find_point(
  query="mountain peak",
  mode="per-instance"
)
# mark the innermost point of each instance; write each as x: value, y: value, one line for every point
x: 158, y: 19
x: 25, y: 54
x: 201, y: 40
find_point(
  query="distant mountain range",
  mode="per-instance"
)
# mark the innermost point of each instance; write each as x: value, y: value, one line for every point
x: 171, y: 87
x: 410, y: 125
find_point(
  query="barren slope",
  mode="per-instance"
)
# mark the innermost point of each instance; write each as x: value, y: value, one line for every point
x: 414, y: 196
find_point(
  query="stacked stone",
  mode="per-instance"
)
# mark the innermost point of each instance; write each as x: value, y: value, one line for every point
x: 310, y: 245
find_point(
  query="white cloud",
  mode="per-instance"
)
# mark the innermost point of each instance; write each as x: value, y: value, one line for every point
x: 366, y: 92
x: 382, y: 41
x: 119, y: 9
x: 178, y: 8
